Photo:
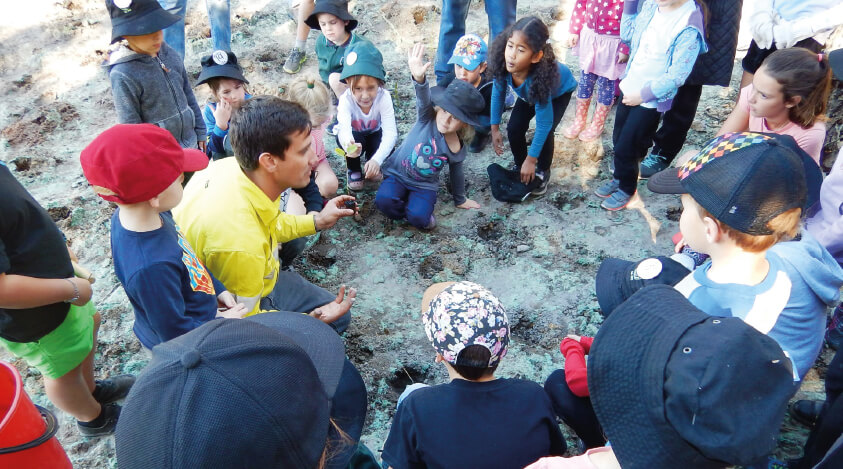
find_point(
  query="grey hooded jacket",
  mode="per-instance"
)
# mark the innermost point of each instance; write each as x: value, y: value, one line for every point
x: 155, y: 90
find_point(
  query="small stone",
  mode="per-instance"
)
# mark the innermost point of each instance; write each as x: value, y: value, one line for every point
x: 522, y: 248
x: 22, y: 163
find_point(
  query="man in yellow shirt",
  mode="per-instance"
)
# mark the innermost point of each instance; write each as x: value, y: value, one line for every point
x: 230, y: 212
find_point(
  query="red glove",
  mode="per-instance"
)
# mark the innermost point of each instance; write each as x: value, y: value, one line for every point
x: 575, y: 371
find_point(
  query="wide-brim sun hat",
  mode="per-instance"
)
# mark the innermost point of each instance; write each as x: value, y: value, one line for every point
x: 137, y: 18
x: 220, y: 64
x: 461, y: 99
x: 337, y: 8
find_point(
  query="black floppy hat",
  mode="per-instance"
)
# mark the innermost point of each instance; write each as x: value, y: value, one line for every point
x: 675, y: 387
x: 338, y: 8
x: 461, y: 99
x: 507, y: 186
x: 618, y: 279
x: 220, y: 64
x: 137, y: 17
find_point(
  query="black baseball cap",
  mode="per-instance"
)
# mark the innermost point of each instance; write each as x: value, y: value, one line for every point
x: 618, y: 279
x: 744, y: 179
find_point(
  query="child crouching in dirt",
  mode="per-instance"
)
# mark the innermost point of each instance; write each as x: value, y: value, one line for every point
x: 445, y: 116
x: 148, y: 79
x: 170, y: 290
x: 498, y: 422
x: 366, y: 119
x: 47, y: 317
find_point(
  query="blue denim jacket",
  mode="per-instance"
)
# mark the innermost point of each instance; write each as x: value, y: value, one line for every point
x: 683, y: 50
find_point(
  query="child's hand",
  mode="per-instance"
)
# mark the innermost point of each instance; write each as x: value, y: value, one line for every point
x: 415, y: 60
x: 572, y: 41
x: 528, y: 170
x: 222, y: 114
x: 468, y: 204
x: 632, y: 99
x: 85, y: 291
x: 679, y: 246
x: 372, y: 169
x: 623, y: 58
x: 497, y: 140
x: 201, y: 145
x: 353, y: 150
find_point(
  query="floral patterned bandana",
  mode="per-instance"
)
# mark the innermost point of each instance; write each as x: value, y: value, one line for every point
x: 466, y: 314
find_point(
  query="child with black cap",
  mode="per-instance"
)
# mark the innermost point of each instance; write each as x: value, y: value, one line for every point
x: 141, y: 168
x: 223, y: 75
x: 703, y: 391
x: 337, y: 25
x: 148, y: 79
x: 475, y: 420
x: 445, y: 117
x: 742, y: 198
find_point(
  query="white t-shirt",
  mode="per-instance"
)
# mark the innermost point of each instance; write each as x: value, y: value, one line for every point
x: 650, y: 60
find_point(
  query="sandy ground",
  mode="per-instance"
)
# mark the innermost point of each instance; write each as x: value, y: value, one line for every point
x: 539, y: 257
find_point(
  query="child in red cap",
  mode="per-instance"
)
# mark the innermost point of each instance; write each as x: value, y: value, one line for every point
x: 140, y: 167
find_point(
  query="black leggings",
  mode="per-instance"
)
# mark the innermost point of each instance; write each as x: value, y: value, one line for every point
x: 519, y: 122
x: 576, y: 411
x: 635, y: 127
x: 370, y: 141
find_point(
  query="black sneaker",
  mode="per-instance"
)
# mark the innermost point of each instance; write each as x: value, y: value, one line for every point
x: 651, y: 165
x: 543, y: 178
x: 113, y: 389
x: 479, y: 142
x: 110, y: 414
x: 806, y: 411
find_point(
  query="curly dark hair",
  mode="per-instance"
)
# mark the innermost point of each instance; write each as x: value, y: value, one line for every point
x: 545, y: 73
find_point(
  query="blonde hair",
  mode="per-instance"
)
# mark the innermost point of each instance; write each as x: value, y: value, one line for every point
x: 465, y: 133
x: 313, y: 95
x: 784, y: 226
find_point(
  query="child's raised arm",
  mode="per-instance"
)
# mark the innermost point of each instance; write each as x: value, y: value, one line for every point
x: 415, y: 60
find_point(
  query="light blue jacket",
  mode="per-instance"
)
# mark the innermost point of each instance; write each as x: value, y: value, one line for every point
x: 683, y: 50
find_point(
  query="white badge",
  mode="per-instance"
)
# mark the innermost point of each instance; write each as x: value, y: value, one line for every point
x: 649, y: 268
x: 123, y: 4
x: 352, y: 57
x: 220, y: 57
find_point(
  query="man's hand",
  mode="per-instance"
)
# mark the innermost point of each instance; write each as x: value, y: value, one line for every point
x: 528, y: 170
x: 497, y: 140
x: 222, y: 114
x: 415, y: 61
x: 332, y: 311
x: 332, y: 212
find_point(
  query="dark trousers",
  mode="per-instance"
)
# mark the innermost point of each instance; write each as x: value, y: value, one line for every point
x: 397, y: 200
x: 576, y: 411
x: 370, y: 142
x: 292, y: 292
x: 829, y: 426
x: 634, y: 129
x: 348, y: 411
x: 676, y: 122
x: 519, y: 122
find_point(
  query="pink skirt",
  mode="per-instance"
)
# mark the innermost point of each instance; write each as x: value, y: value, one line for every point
x: 599, y: 53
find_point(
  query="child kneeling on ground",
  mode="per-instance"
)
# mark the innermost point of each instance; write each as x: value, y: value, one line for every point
x: 437, y: 138
x: 469, y: 330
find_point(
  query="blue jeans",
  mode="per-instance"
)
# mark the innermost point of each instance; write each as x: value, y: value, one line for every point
x: 397, y: 200
x: 219, y: 15
x: 501, y: 14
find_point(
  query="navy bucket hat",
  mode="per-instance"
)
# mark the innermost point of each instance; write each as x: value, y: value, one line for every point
x: 220, y: 64
x: 137, y: 17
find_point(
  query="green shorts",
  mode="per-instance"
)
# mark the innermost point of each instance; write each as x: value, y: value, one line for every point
x: 64, y: 348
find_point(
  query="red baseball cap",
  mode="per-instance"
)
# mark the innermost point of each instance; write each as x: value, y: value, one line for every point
x: 132, y: 163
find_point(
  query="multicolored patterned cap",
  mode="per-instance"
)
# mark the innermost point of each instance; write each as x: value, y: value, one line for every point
x: 466, y: 314
x: 744, y: 179
x: 469, y: 52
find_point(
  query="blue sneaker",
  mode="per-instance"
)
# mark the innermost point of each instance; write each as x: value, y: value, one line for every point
x: 607, y: 188
x: 651, y: 165
x: 618, y: 200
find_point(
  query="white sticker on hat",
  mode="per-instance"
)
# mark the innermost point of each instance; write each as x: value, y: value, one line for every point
x: 352, y: 57
x: 123, y: 3
x: 649, y: 268
x: 220, y: 57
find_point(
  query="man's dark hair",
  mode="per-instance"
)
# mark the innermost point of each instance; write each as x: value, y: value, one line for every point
x: 264, y: 124
x: 473, y: 362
